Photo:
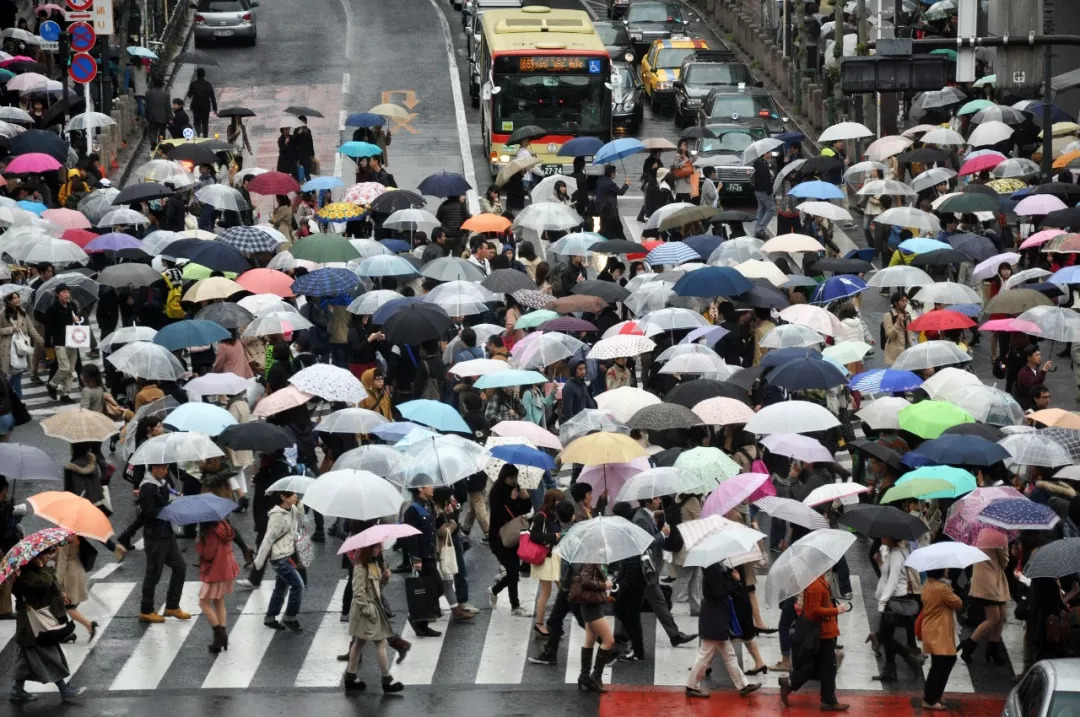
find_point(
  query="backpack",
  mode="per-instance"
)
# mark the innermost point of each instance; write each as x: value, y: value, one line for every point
x: 173, y: 309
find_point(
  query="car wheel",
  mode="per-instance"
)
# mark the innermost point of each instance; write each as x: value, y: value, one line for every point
x: 254, y: 39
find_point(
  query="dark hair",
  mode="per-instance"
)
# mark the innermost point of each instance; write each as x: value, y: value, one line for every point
x: 896, y: 296
x: 79, y: 450
x: 142, y: 430
x: 496, y: 341
x: 551, y: 498
x: 477, y: 242
x: 564, y: 510
x: 937, y: 574
x: 3, y: 484
x: 180, y: 101
x: 579, y: 490
x: 526, y: 251
x: 45, y: 266
x: 280, y: 495
x: 847, y: 310
x: 468, y: 337
x: 1039, y: 391
x: 91, y: 375
x: 543, y: 269
x: 200, y: 73
x: 282, y: 200
x: 609, y: 170
x: 509, y: 470
x: 708, y: 171
x: 438, y: 233
x: 492, y: 188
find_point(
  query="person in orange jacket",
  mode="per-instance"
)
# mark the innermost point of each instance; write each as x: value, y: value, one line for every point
x: 818, y: 607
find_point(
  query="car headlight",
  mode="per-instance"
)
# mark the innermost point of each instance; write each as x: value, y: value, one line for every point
x: 663, y: 85
x: 504, y: 158
x: 630, y: 58
x: 692, y: 102
x: 635, y: 36
x: 628, y: 105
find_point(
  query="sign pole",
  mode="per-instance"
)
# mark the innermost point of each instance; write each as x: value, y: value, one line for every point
x: 63, y: 56
x: 89, y: 130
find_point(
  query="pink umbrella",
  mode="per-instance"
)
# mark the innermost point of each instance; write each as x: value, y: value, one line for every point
x: 1040, y: 238
x: 376, y: 535
x: 1038, y: 204
x: 732, y: 492
x: 523, y: 344
x: 982, y: 163
x: 66, y: 218
x: 17, y: 58
x: 962, y: 523
x: 281, y: 400
x: 537, y: 435
x: 1018, y: 326
x: 609, y: 477
x: 33, y: 163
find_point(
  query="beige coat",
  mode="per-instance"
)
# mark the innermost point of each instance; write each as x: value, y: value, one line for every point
x: 690, y: 510
x: 242, y: 413
x: 939, y: 606
x: 7, y: 329
x: 70, y: 573
x: 367, y: 619
x: 988, y: 577
x: 896, y: 338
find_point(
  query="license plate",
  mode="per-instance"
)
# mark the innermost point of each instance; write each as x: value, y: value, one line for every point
x: 549, y: 169
x: 729, y: 187
x: 223, y: 33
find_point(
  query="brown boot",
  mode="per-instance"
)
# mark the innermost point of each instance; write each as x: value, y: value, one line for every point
x: 460, y: 614
x: 401, y: 645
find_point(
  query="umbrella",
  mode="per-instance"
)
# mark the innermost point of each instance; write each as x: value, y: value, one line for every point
x: 324, y: 248
x: 1055, y: 323
x: 201, y: 508
x: 1015, y: 302
x: 273, y: 183
x: 256, y: 436
x: 962, y: 450
x: 1026, y: 449
x: 386, y: 202
x: 354, y: 494
x: 947, y: 292
x: 618, y: 149
x: 212, y: 254
x: 794, y: 445
x: 329, y: 281
x: 509, y: 378
x: 143, y: 359
x: 440, y: 416
x: 438, y: 460
x: 625, y: 401
x: 202, y: 417
x: 461, y: 298
x: 274, y: 323
x: 185, y: 447
x: 663, y: 417
x: 508, y: 281
x: 943, y: 556
x: 36, y: 543
x: 987, y: 134
x: 290, y: 484
x: 831, y: 492
x: 813, y: 317
x: 710, y: 463
x: 486, y: 223
x: 378, y: 459
x: 710, y: 281
x: 529, y: 431
x: 929, y: 419
x: 248, y: 240
x: 722, y: 411
x: 1055, y: 417
x: 902, y: 276
x: 722, y: 544
x: 589, y: 421
x: 72, y: 512
x: 350, y: 420
x: 535, y: 318
x: 986, y: 404
x: 377, y: 535
x: 1019, y: 514
x: 804, y: 562
x: 792, y: 511
x: 883, y: 521
x: 930, y: 354
x: 452, y: 268
x: 598, y: 448
x: 881, y: 413
x: 329, y: 382
x: 281, y: 400
x: 1056, y: 559
x: 656, y: 482
x: 371, y: 301
x: 384, y: 265
x: 581, y: 147
x: 190, y: 333
x: 523, y: 455
x: 445, y: 184
x: 620, y: 346
x: 732, y: 492
x: 216, y: 384
x: 791, y: 417
x: 141, y: 192
x: 806, y: 374
x: 547, y: 216
x: 844, y: 130
x: 959, y: 481
x: 607, y: 290
x: 29, y: 463
x: 416, y: 323
x: 941, y: 320
x: 603, y: 540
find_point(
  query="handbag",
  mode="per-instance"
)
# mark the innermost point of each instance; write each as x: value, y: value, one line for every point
x: 16, y: 360
x: 47, y: 630
x: 805, y: 639
x: 579, y: 594
x: 22, y: 344
x: 530, y: 551
x: 510, y: 532
x: 448, y: 565
x: 304, y: 552
x: 77, y: 336
x: 906, y: 606
x: 918, y: 626
x: 422, y: 597
x: 734, y: 628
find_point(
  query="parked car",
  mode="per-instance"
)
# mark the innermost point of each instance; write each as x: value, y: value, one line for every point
x: 742, y: 104
x: 724, y: 151
x: 615, y: 39
x: 660, y: 68
x: 647, y: 21
x: 626, y: 97
x: 1051, y: 688
x: 699, y: 74
x: 225, y: 20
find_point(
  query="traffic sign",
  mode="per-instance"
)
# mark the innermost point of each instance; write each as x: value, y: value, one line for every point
x: 83, y: 68
x: 103, y: 18
x: 80, y: 16
x: 83, y: 37
x: 80, y: 4
x: 49, y: 31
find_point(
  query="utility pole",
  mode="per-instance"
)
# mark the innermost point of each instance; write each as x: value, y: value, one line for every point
x: 867, y: 105
x: 838, y: 53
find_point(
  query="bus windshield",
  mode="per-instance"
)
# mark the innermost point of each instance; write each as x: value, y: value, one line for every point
x: 561, y: 104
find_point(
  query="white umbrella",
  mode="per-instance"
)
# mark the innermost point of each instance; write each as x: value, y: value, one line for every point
x: 947, y: 292
x: 988, y: 267
x: 1016, y: 167
x: 354, y: 494
x: 1029, y: 449
x: 792, y: 511
x: 290, y: 484
x: 943, y: 136
x: 791, y: 417
x: 461, y: 298
x: 813, y: 317
x: 1055, y: 323
x: 846, y: 352
x: 411, y: 220
x: 54, y: 251
x: 1037, y: 204
x: 881, y: 413
x: 546, y: 349
x: 844, y: 130
x: 805, y: 561
x: 89, y: 120
x: 125, y: 335
x: 760, y: 148
x: 854, y: 173
x: 331, y: 383
x: 910, y: 217
x: 709, y: 364
x: 155, y: 242
x: 367, y: 248
x: 660, y: 214
x: 603, y: 540
x: 722, y: 545
x: 263, y: 304
x: 437, y: 462
x: 184, y: 447
x: 479, y: 367
x: 986, y: 404
x: 761, y: 269
x: 791, y: 335
x: 949, y: 378
x: 121, y: 216
x: 452, y: 268
x: 625, y: 401
x: 378, y: 459
x: 650, y: 296
x: 544, y: 191
x: 826, y: 210
x: 222, y: 197
x: 276, y: 322
x: 943, y: 556
x: 932, y: 177
x: 588, y: 421
x: 929, y: 354
x: 794, y: 445
x: 621, y: 345
x: 736, y: 251
x: 655, y: 482
x: 888, y: 146
x: 832, y: 492
x: 370, y: 302
x: 162, y: 170
x: 901, y: 276
x: 214, y: 384
x: 547, y: 216
x: 722, y: 411
x: 143, y: 359
x: 989, y: 133
x: 350, y: 420
x: 879, y: 187
x: 670, y: 319
x: 684, y: 349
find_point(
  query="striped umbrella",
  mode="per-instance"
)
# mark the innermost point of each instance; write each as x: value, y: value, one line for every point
x: 671, y: 253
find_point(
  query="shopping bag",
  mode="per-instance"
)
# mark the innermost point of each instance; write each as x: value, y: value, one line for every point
x: 46, y: 629
x: 531, y: 552
x: 422, y: 597
x: 77, y: 336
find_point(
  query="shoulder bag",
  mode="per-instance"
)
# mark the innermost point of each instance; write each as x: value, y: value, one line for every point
x: 47, y: 630
x: 530, y: 551
x: 510, y: 533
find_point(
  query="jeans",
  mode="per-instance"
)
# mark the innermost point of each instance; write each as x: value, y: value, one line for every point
x: 15, y: 380
x: 339, y: 355
x: 461, y: 578
x: 938, y: 676
x: 140, y: 106
x: 822, y: 667
x: 7, y: 424
x: 159, y: 553
x: 766, y: 210
x: 787, y: 619
x: 288, y: 578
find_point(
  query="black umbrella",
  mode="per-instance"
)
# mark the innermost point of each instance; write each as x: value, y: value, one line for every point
x: 1070, y: 193
x: 990, y: 433
x: 193, y: 152
x: 664, y: 417
x: 390, y: 202
x: 969, y: 203
x: 414, y: 324
x: 236, y: 112
x: 618, y: 246
x: 841, y: 266
x: 529, y: 131
x: 58, y: 110
x: 195, y: 57
x: 883, y: 521
x: 941, y: 257
x: 121, y: 276
x: 216, y: 145
x: 1056, y: 559
x: 981, y: 189
x: 693, y: 392
x: 39, y: 140
x: 923, y: 155
x: 255, y: 436
x: 227, y: 313
x: 666, y: 457
x: 141, y: 192
x: 507, y: 281
x: 819, y: 164
x: 302, y: 111
x: 883, y: 453
x: 1062, y: 218
x: 609, y: 291
x: 747, y: 377
x: 761, y: 297
x: 697, y: 132
x: 21, y: 66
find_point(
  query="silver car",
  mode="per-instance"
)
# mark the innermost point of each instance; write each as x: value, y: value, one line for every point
x: 225, y: 20
x: 1051, y: 688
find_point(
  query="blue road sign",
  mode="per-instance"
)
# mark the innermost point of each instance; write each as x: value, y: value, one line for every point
x: 83, y: 68
x: 49, y: 31
x: 83, y: 37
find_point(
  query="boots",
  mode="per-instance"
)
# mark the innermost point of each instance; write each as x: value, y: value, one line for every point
x: 995, y: 654
x: 221, y: 640
x: 583, y: 681
x: 353, y: 684
x: 400, y: 645
x: 914, y: 659
x: 967, y: 649
x: 549, y: 655
x: 603, y: 659
x: 388, y: 684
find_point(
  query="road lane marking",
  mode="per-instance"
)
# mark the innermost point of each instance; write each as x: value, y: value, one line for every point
x: 573, y: 652
x: 321, y: 668
x: 671, y: 665
x: 419, y: 669
x: 506, y: 642
x: 248, y: 642
x: 159, y: 645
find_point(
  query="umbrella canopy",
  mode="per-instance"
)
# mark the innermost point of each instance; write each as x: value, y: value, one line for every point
x: 603, y: 540
x: 930, y: 354
x: 73, y: 512
x: 378, y: 459
x: 664, y: 417
x: 529, y: 431
x: 1026, y: 449
x: 1056, y: 559
x: 929, y: 419
x: 201, y: 508
x: 453, y: 268
x: 804, y: 562
x: 962, y: 450
x: 731, y: 493
x: 791, y: 417
x: 350, y: 420
x: 190, y: 333
x: 806, y: 374
x: 590, y: 420
x: 722, y: 411
x: 710, y: 463
x: 598, y: 448
x: 143, y: 359
x: 792, y: 511
x: 28, y: 463
x: 881, y: 413
x: 227, y: 314
x: 377, y: 535
x: 203, y: 417
x: 255, y: 436
x: 943, y: 556
x: 355, y: 494
x: 185, y: 447
x: 438, y: 415
x: 959, y: 481
x: 794, y: 445
x: 281, y: 400
x: 625, y: 401
x: 36, y: 543
x: 330, y: 383
x: 883, y: 521
x: 1019, y: 514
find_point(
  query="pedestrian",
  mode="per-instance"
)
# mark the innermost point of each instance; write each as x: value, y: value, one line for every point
x: 606, y: 203
x: 39, y: 608
x: 71, y: 577
x: 277, y: 547
x: 763, y: 192
x: 897, y: 607
x: 939, y: 607
x: 18, y: 339
x: 179, y: 121
x: 491, y: 203
x: 282, y: 219
x: 589, y: 594
x: 450, y: 567
x: 682, y: 172
x: 304, y: 149
x: 894, y: 327
x: 420, y: 550
x: 819, y: 608
x: 159, y: 544
x: 217, y: 573
x: 1030, y: 376
x: 717, y: 630
x: 237, y: 137
x: 158, y: 112
x: 203, y: 102
x: 545, y: 529
x: 452, y: 213
x: 368, y: 621
x: 506, y: 501
x: 989, y: 589
x: 575, y: 394
x: 61, y: 313
x: 286, y: 161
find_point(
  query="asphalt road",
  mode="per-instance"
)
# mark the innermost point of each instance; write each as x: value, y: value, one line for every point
x: 345, y: 58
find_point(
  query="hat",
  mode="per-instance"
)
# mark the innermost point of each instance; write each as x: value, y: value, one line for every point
x: 105, y: 182
x: 507, y: 248
x: 61, y: 287
x: 662, y: 173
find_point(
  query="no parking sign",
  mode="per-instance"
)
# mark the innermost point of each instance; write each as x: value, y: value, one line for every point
x: 83, y: 68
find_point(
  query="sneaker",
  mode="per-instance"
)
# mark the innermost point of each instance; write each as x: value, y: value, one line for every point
x: 52, y: 391
x: 21, y: 696
x: 292, y: 625
x: 631, y: 656
x: 519, y: 611
x: 244, y: 584
x: 273, y: 624
x: 344, y: 617
x: 151, y: 617
x: 178, y: 614
x: 468, y: 608
x: 493, y: 597
x: 71, y: 693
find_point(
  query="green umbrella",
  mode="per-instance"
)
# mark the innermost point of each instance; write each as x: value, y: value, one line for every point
x: 197, y: 272
x: 324, y: 248
x: 915, y: 489
x: 969, y: 203
x: 534, y: 318
x: 951, y: 54
x: 929, y: 419
x: 711, y: 464
x: 988, y: 81
x: 974, y: 106
x: 960, y: 481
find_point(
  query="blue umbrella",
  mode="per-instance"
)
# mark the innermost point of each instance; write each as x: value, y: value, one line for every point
x: 922, y: 245
x: 790, y: 137
x: 838, y: 286
x: 316, y: 184
x: 962, y: 450
x: 1067, y: 275
x: 331, y: 281
x: 581, y: 147
x: 978, y: 247
x: 1046, y: 287
x: 779, y: 357
x: 364, y: 119
x: 969, y: 310
x: 1019, y: 514
x: 864, y: 254
x: 189, y: 333
x: 214, y: 255
x: 806, y: 374
x: 816, y: 189
x: 915, y: 460
x: 360, y: 149
x: 137, y: 51
x: 396, y: 246
x: 703, y: 244
x: 35, y: 207
x: 961, y: 480
x: 391, y: 307
x: 522, y: 455
x: 444, y: 184
x: 510, y: 377
x: 205, y: 418
x: 395, y: 430
x: 712, y: 281
x: 437, y: 415
x: 672, y: 252
x: 885, y: 380
x: 201, y: 508
x: 618, y: 149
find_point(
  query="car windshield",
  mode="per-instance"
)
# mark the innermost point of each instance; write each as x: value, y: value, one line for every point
x: 612, y: 35
x: 645, y: 12
x: 621, y: 76
x: 671, y: 58
x: 717, y: 74
x: 221, y: 6
x: 1064, y: 704
x: 561, y: 104
x: 734, y: 140
x: 743, y: 106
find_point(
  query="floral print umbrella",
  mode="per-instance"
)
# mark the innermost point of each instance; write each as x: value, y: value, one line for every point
x: 31, y: 546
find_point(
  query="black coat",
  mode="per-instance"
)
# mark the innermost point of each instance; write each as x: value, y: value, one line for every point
x: 56, y: 319
x: 717, y: 585
x: 422, y: 546
x: 303, y: 144
x: 201, y: 94
x: 451, y: 215
x: 158, y: 106
x: 179, y: 123
x: 501, y: 510
x: 575, y: 398
x: 153, y: 497
x: 286, y: 161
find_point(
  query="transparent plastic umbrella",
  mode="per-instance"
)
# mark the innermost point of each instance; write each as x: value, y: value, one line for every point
x: 591, y: 420
x: 355, y: 494
x: 371, y: 301
x: 656, y: 482
x: 603, y: 540
x: 791, y: 335
x: 1035, y: 450
x: 222, y: 198
x: 900, y: 277
x: 625, y: 401
x: 700, y: 363
x: 930, y: 354
x: 181, y: 447
x: 804, y: 562
x: 1056, y: 323
x: 671, y: 319
x: 947, y: 292
x: 683, y: 350
x: 436, y: 463
x: 710, y: 464
x: 143, y: 359
x: 650, y: 296
x: 548, y: 348
x: 461, y: 298
x: 735, y: 251
x: 881, y: 413
x: 722, y: 545
x: 122, y: 216
x: 547, y: 216
x: 378, y: 459
x: 986, y: 404
x: 451, y: 268
x: 276, y: 322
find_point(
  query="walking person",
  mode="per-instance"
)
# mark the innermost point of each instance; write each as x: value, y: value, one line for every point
x: 546, y: 530
x: 763, y: 192
x: 939, y: 607
x: 505, y: 502
x: 989, y: 588
x: 715, y: 627
x: 18, y: 331
x: 278, y: 546
x: 159, y: 543
x: 818, y: 607
x: 420, y: 550
x: 71, y: 576
x: 61, y: 313
x: 589, y: 594
x: 203, y: 101
x: 217, y: 572
x: 897, y: 608
x: 368, y: 621
x: 237, y: 137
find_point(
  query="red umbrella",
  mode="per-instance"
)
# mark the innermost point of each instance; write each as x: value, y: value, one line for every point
x: 982, y: 163
x: 273, y: 183
x: 941, y: 320
x: 649, y: 245
x: 82, y: 237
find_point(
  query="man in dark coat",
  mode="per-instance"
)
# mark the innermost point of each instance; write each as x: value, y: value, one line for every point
x: 158, y: 111
x: 203, y: 101
x: 304, y: 149
x: 575, y: 394
x: 421, y: 549
x: 161, y: 549
x: 61, y: 314
x: 180, y: 120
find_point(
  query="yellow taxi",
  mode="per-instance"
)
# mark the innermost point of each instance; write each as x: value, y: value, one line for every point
x: 660, y: 67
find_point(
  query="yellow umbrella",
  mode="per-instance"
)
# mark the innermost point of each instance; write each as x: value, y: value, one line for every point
x: 1060, y: 129
x: 598, y: 448
x: 513, y: 167
x: 199, y: 234
x: 341, y: 212
x: 78, y: 425
x: 388, y: 110
x: 73, y: 512
x: 213, y: 288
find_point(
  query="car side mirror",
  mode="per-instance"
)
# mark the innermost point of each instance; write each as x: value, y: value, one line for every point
x: 677, y: 84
